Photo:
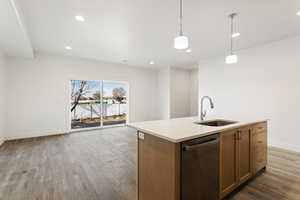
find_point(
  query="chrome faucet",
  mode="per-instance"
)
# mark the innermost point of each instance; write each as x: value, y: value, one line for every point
x: 203, y: 113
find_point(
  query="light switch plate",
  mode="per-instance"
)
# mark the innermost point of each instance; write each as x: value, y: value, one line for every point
x: 141, y: 136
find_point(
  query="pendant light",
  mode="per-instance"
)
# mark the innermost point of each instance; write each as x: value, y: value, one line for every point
x: 181, y: 42
x: 231, y: 58
x: 79, y: 17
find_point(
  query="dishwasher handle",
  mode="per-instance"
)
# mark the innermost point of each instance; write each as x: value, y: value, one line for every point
x: 201, y: 144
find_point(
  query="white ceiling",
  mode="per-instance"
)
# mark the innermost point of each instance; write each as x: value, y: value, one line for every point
x: 14, y: 40
x: 143, y: 30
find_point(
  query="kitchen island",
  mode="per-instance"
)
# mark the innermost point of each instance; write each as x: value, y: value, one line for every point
x: 234, y: 151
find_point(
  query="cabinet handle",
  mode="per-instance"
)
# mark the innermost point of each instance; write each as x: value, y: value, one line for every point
x: 238, y: 135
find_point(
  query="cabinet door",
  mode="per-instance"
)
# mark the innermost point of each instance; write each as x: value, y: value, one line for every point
x: 244, y: 159
x: 228, y: 162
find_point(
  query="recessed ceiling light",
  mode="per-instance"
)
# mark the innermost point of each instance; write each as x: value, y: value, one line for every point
x: 79, y: 18
x: 298, y: 13
x: 188, y: 50
x: 68, y: 47
x: 152, y: 63
x: 236, y: 34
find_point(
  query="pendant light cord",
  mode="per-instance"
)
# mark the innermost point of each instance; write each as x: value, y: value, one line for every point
x: 181, y: 31
x: 231, y: 39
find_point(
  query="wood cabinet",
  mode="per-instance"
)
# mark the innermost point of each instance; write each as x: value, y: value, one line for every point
x: 243, y: 152
x: 259, y: 147
x: 228, y: 162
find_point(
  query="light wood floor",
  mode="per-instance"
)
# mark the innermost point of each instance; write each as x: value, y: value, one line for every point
x: 102, y: 165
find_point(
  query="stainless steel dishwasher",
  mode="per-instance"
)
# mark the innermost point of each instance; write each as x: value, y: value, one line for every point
x: 200, y: 169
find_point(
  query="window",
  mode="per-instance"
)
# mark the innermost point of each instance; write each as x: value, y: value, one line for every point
x: 98, y: 103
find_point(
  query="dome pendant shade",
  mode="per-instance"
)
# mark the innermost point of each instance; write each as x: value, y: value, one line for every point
x: 181, y: 42
x: 231, y: 59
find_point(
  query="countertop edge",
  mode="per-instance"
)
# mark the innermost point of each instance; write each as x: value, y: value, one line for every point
x: 197, y: 135
x: 153, y: 133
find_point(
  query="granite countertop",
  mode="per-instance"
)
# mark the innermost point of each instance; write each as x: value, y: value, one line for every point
x: 183, y: 129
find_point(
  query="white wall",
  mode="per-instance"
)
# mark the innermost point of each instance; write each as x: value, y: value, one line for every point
x: 180, y: 96
x: 194, y: 91
x: 178, y: 92
x: 164, y: 93
x: 2, y: 97
x: 38, y: 92
x: 264, y: 84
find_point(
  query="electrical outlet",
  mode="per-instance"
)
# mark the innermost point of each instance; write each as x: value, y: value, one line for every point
x: 141, y: 136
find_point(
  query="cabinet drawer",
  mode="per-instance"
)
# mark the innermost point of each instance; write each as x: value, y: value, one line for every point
x: 260, y: 127
x: 260, y: 141
x: 260, y: 160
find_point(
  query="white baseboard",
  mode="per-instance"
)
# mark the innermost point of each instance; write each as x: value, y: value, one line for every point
x: 286, y: 146
x: 33, y: 135
x: 26, y: 135
x: 1, y: 141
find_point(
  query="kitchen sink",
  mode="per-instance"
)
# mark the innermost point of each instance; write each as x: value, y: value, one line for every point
x: 217, y: 122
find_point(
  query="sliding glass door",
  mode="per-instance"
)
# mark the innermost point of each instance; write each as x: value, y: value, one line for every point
x: 114, y: 103
x: 98, y: 103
